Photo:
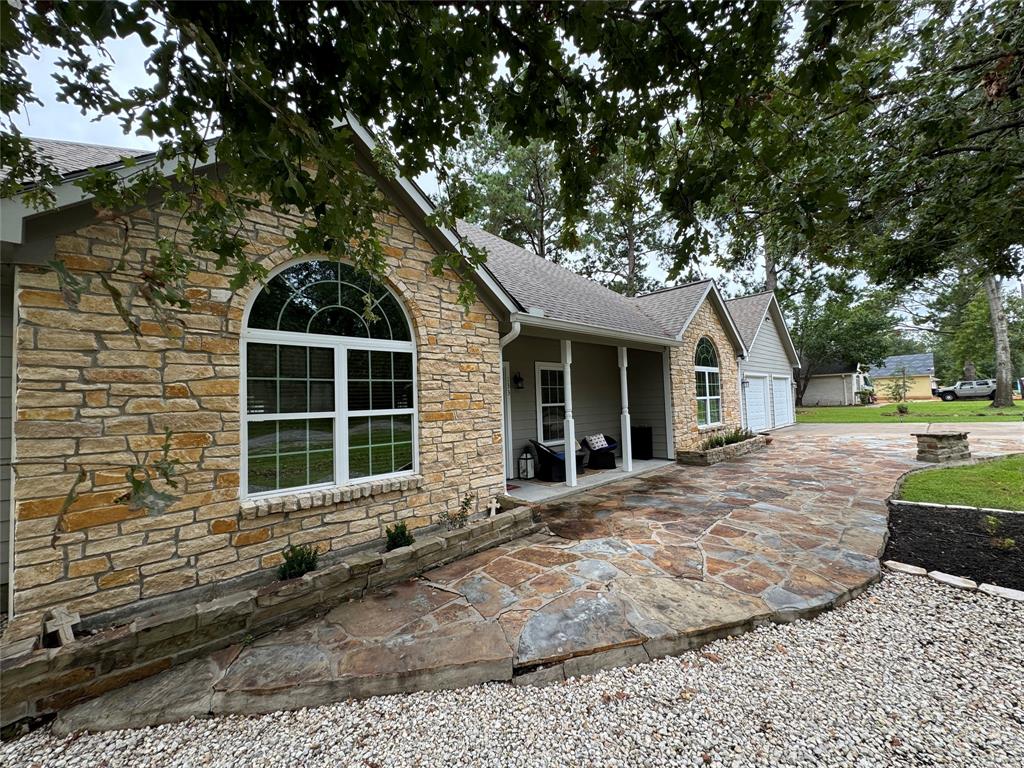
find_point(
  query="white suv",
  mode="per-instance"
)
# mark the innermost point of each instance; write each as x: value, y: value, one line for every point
x: 979, y: 388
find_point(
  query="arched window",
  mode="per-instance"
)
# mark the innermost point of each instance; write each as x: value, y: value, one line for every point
x: 709, y: 384
x: 329, y: 393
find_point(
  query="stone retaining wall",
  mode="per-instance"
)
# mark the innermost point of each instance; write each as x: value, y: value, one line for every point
x: 40, y: 681
x: 724, y: 453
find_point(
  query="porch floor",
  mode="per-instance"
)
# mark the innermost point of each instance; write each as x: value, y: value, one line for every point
x: 535, y: 490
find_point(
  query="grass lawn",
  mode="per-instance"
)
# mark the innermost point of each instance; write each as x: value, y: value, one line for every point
x: 995, y: 484
x: 920, y: 412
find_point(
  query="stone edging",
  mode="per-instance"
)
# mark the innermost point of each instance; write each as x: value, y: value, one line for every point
x: 894, y: 502
x: 292, y: 502
x: 40, y: 681
x: 722, y: 453
x: 955, y: 581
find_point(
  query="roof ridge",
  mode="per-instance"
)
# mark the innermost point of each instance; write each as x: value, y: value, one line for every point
x: 668, y: 288
x: 751, y: 295
x: 90, y: 144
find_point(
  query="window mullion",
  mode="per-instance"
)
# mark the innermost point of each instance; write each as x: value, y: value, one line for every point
x: 341, y: 419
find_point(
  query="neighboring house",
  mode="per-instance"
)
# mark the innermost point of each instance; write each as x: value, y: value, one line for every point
x: 296, y: 421
x: 919, y: 370
x: 767, y: 371
x: 833, y: 383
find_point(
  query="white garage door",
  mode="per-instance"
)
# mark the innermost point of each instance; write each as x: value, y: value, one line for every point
x: 782, y: 399
x: 755, y: 394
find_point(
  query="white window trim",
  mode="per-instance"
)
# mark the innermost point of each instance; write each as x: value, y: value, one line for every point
x: 538, y: 367
x: 340, y: 345
x: 708, y: 398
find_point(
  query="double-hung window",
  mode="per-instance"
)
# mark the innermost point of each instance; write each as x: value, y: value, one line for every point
x: 329, y: 387
x: 550, y: 403
x: 709, y: 384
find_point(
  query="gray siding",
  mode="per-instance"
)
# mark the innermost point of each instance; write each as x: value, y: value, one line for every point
x: 6, y: 413
x: 597, y: 404
x: 829, y: 390
x: 768, y: 356
x: 647, y: 396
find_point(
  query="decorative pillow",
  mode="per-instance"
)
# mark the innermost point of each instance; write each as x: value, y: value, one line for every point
x: 596, y: 442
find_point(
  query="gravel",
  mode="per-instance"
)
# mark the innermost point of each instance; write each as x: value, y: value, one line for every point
x: 912, y: 673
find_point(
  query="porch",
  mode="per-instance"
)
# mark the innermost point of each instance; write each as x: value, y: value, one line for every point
x: 561, y: 389
x: 534, y: 491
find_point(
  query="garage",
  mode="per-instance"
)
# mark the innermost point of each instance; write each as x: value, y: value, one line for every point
x: 782, y: 401
x: 755, y: 396
x: 766, y: 372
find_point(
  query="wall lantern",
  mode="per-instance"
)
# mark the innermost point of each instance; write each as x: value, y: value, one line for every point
x: 517, y: 381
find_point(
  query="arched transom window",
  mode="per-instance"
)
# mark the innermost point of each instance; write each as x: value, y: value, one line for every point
x: 329, y: 388
x: 709, y: 384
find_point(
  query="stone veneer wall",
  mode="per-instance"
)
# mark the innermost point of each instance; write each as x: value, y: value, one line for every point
x: 91, y: 395
x: 688, y: 436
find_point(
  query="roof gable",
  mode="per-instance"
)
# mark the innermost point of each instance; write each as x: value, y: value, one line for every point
x: 749, y: 313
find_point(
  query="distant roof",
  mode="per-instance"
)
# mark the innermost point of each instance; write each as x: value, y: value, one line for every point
x: 831, y: 368
x: 70, y: 157
x: 748, y: 313
x: 922, y: 364
x: 559, y: 293
x: 672, y: 308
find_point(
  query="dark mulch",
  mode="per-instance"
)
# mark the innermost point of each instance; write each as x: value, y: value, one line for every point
x: 958, y: 542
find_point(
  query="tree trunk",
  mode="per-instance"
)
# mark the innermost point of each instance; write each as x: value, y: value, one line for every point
x: 630, y: 264
x: 771, y: 271
x: 1000, y: 327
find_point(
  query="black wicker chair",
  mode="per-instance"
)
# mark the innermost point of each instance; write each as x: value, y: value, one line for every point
x: 602, y: 458
x: 551, y: 464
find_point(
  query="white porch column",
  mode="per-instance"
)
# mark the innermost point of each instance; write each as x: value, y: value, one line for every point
x: 569, y: 424
x: 627, y: 437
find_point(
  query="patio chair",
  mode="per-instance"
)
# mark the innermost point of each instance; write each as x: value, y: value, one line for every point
x: 603, y: 457
x: 551, y: 464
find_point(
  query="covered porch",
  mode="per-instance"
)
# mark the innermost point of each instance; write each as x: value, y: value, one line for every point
x: 609, y: 398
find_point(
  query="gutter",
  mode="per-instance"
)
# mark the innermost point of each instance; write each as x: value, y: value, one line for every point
x: 511, y: 336
x: 592, y: 330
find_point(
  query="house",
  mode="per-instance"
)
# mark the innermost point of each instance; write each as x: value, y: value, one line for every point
x: 766, y: 373
x: 295, y: 420
x: 918, y: 371
x: 832, y: 383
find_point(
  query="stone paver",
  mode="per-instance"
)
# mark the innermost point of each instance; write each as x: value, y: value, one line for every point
x: 645, y: 567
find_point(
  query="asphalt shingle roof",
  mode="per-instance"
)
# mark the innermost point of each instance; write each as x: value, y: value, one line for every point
x: 748, y: 312
x: 70, y: 157
x: 673, y: 307
x: 922, y: 364
x: 559, y: 293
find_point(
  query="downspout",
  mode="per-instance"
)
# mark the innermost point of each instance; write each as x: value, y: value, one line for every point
x: 506, y: 408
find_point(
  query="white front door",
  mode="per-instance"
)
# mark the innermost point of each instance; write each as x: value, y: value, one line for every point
x: 782, y: 400
x: 755, y: 395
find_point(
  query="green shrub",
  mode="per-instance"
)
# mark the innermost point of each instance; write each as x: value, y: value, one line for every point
x: 902, y: 409
x: 297, y: 561
x: 726, y: 438
x: 398, y: 536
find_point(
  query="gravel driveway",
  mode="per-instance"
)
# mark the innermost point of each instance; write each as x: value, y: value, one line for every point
x: 910, y: 674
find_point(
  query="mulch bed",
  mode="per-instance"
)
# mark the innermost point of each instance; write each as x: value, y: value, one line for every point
x: 957, y: 542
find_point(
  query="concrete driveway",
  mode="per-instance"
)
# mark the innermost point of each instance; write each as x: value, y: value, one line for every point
x: 646, y: 567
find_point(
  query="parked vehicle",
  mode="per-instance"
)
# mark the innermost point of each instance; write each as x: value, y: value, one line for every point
x: 968, y: 389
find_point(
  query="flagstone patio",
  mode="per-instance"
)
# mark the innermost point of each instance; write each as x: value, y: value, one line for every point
x: 642, y: 568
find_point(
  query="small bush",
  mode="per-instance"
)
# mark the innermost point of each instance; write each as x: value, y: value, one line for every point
x: 726, y: 438
x: 297, y: 561
x: 398, y: 536
x: 902, y: 409
x: 458, y: 519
